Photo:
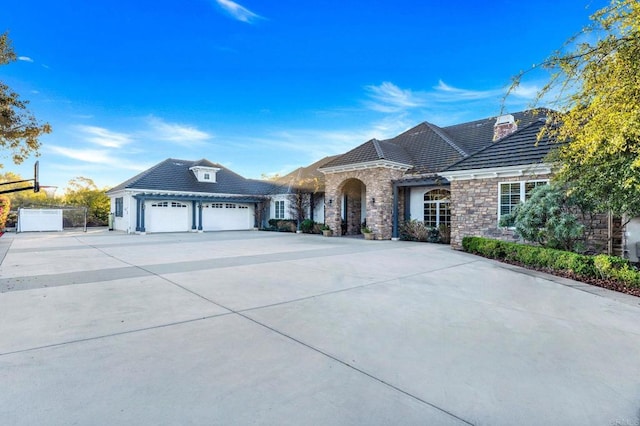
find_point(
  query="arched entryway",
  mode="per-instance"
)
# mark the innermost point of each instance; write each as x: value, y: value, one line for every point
x: 353, y: 206
x: 437, y: 208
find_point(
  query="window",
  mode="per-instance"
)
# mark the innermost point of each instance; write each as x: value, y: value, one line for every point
x: 177, y: 204
x: 279, y: 210
x: 119, y: 206
x: 230, y: 206
x: 513, y: 193
x: 437, y: 210
x: 207, y: 176
x: 160, y: 204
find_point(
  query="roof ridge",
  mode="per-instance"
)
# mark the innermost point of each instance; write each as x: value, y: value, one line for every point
x: 376, y: 145
x: 438, y: 131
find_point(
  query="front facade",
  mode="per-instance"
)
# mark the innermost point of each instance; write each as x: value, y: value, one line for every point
x: 461, y: 178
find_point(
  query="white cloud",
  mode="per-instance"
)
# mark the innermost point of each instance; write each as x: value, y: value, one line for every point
x: 237, y: 11
x: 389, y: 98
x: 25, y: 59
x: 102, y: 157
x: 179, y: 134
x: 446, y: 93
x: 104, y: 137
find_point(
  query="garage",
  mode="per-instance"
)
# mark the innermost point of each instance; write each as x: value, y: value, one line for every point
x: 167, y: 216
x: 226, y: 216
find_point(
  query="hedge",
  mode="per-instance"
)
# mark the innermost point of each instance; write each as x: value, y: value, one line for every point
x: 599, y: 266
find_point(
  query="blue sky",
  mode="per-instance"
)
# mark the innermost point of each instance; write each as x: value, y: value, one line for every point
x: 263, y: 87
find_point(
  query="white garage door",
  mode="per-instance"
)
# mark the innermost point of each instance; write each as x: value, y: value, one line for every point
x: 166, y: 216
x: 226, y: 217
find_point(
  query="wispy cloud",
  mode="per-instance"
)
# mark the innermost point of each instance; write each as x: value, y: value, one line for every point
x: 237, y: 11
x: 25, y: 59
x: 389, y: 98
x: 102, y: 157
x: 104, y: 137
x: 180, y: 134
x: 446, y: 93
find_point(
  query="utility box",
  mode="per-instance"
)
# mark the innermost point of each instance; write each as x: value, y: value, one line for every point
x: 39, y: 220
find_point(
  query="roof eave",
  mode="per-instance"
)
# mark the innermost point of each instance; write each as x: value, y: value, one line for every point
x: 498, y: 172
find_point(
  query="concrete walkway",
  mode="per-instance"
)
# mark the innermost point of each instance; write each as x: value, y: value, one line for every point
x: 236, y: 328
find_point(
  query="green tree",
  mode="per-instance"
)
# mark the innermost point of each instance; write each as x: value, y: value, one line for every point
x: 547, y: 218
x: 26, y: 198
x: 83, y: 192
x: 19, y: 129
x: 595, y: 87
x: 5, y: 206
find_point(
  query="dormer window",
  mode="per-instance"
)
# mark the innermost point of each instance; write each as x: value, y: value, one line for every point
x: 205, y: 173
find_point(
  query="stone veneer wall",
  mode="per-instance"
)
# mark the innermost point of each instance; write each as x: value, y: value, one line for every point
x: 474, y: 209
x: 378, y: 182
x: 474, y: 212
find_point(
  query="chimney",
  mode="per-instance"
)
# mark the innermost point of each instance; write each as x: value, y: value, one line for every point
x: 505, y: 125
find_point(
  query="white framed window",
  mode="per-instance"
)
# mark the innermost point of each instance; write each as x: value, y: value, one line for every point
x: 279, y: 210
x: 230, y: 206
x: 177, y: 204
x: 160, y: 204
x: 119, y: 206
x: 437, y: 208
x: 207, y: 176
x: 510, y: 194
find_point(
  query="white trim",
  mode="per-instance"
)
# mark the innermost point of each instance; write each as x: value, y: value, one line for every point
x: 498, y: 172
x: 367, y: 165
x: 136, y: 191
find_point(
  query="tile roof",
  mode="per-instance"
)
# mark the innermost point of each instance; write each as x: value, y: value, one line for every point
x: 429, y: 148
x: 519, y: 148
x: 174, y: 175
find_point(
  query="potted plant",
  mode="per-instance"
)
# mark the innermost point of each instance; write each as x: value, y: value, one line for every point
x: 326, y: 231
x: 366, y: 231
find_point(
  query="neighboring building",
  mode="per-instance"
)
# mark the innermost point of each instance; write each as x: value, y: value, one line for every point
x: 180, y: 196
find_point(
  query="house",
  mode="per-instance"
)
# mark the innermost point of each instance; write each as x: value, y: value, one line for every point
x: 180, y: 196
x: 385, y: 182
x: 463, y: 177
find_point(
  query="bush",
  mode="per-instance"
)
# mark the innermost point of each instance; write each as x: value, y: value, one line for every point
x: 547, y: 218
x: 600, y: 266
x: 416, y: 230
x: 282, y: 225
x: 306, y: 226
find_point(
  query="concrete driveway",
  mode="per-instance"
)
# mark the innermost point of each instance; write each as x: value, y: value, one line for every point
x: 236, y: 328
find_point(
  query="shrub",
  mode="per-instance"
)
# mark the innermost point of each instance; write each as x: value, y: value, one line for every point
x: 414, y: 230
x: 5, y: 205
x: 306, y: 226
x: 600, y: 266
x: 546, y: 218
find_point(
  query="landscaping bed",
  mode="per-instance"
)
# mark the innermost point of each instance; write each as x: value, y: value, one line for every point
x: 610, y: 272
